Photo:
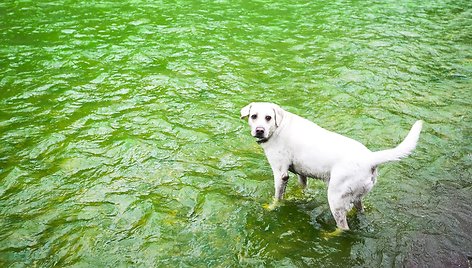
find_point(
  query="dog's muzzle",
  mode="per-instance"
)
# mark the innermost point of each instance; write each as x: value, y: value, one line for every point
x: 260, y: 135
x: 260, y: 132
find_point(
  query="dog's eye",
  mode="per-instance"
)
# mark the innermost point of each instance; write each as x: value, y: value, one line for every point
x: 254, y: 116
x: 268, y: 118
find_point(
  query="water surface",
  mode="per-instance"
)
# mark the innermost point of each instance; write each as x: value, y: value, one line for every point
x: 121, y: 143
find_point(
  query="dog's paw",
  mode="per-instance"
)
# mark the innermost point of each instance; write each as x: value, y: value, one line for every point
x: 272, y: 206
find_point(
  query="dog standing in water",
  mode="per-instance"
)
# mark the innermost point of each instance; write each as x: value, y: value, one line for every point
x: 292, y: 143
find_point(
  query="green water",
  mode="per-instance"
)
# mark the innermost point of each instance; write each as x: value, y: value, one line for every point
x: 121, y: 143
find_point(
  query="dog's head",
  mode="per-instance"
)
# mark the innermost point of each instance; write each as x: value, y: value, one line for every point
x: 264, y: 118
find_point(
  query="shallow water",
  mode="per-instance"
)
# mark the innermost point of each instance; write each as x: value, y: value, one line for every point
x: 121, y: 143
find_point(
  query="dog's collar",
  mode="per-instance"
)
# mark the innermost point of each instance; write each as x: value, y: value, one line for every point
x: 263, y: 140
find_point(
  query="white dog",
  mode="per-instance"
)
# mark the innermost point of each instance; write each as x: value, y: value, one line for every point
x: 292, y: 143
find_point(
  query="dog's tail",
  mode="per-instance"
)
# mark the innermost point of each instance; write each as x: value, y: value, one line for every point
x: 402, y: 150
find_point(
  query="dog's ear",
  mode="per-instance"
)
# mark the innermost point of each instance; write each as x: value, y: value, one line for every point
x: 278, y: 115
x: 246, y: 110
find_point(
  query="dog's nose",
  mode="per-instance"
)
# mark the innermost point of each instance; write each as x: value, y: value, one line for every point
x: 259, y: 131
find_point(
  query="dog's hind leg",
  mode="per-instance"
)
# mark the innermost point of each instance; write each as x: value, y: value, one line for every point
x: 363, y: 187
x: 339, y: 199
x: 340, y: 218
x: 338, y: 209
x: 358, y: 205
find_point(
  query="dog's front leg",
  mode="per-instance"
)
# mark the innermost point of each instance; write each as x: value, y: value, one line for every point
x: 302, y: 181
x: 280, y: 183
x: 280, y: 165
